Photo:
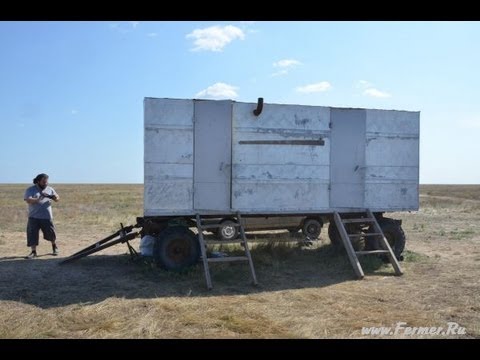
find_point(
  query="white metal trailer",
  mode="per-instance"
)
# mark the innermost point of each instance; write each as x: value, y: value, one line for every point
x: 217, y: 157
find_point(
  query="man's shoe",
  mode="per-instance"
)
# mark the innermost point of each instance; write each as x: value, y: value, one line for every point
x: 55, y: 251
x: 32, y: 255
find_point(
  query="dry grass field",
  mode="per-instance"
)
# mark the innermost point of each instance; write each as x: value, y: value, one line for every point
x: 304, y: 292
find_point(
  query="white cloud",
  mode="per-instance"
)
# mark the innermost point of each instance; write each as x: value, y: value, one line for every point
x: 280, y: 73
x: 369, y: 89
x: 134, y: 24
x: 215, y: 38
x: 376, y: 93
x: 313, y: 88
x: 364, y: 84
x: 152, y: 34
x: 218, y: 91
x: 286, y: 63
x: 246, y: 27
x: 74, y: 112
x: 284, y: 66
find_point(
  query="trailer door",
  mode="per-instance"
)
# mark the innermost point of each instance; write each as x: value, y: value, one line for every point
x: 347, y: 158
x: 212, y: 155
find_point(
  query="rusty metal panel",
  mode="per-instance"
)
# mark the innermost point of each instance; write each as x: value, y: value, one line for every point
x: 168, y: 156
x: 280, y: 158
x: 347, y: 158
x: 212, y: 148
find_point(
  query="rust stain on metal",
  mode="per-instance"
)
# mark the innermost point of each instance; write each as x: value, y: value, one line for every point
x: 302, y: 122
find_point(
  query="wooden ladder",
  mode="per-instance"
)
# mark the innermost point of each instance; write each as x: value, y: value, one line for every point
x: 206, y: 260
x: 377, y: 231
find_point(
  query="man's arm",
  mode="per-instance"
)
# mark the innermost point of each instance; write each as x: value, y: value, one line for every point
x: 29, y: 198
x: 32, y: 200
x: 55, y: 196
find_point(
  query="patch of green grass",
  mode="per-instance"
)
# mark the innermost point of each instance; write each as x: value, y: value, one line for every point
x: 412, y: 256
x: 372, y: 263
x: 461, y: 234
x: 419, y: 227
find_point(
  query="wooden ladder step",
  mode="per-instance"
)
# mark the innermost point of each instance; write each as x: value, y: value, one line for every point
x: 371, y: 252
x: 364, y: 220
x: 366, y: 234
x: 228, y: 259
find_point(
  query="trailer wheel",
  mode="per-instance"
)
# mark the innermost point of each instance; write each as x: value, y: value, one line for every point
x: 228, y: 230
x: 334, y: 235
x: 358, y: 243
x: 312, y: 228
x: 176, y: 248
x: 395, y: 236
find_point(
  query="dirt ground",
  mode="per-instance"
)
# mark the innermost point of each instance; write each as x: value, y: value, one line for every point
x: 304, y: 292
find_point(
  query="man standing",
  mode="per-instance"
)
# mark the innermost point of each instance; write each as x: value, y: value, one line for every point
x: 39, y: 198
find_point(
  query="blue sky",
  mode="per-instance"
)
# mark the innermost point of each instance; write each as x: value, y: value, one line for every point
x: 71, y: 93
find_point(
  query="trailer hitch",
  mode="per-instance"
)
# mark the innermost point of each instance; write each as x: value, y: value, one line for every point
x: 124, y: 235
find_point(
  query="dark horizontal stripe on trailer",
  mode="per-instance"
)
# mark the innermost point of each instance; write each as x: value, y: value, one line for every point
x: 319, y: 142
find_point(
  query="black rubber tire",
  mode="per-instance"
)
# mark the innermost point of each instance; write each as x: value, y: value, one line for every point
x: 334, y: 235
x: 176, y: 248
x: 227, y: 232
x: 336, y: 240
x: 312, y: 228
x: 395, y: 236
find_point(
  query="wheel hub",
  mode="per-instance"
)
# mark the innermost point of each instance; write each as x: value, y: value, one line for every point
x: 178, y: 250
x: 228, y: 231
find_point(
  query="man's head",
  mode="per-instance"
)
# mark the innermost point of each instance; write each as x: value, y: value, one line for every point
x: 41, y: 180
